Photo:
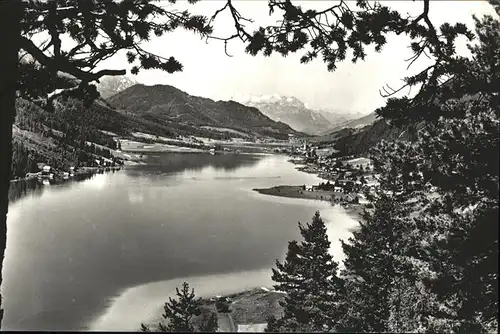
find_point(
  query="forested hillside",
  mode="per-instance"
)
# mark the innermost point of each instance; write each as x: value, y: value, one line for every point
x: 361, y: 141
x: 168, y: 105
x: 68, y: 134
x: 62, y: 138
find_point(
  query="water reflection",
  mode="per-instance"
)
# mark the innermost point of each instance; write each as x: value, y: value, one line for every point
x: 171, y: 163
x: 19, y: 189
x: 35, y: 187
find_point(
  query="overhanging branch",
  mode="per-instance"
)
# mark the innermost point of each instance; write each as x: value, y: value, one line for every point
x: 63, y: 65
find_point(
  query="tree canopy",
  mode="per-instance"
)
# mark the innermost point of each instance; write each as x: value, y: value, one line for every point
x: 308, y: 276
x: 80, y: 34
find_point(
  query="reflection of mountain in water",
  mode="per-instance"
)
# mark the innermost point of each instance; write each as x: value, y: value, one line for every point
x: 170, y: 163
x: 19, y: 189
x: 157, y: 165
x: 35, y: 187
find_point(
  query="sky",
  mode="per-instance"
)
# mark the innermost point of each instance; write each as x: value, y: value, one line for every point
x: 209, y: 72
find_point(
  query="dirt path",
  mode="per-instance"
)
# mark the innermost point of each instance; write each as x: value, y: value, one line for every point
x: 226, y: 323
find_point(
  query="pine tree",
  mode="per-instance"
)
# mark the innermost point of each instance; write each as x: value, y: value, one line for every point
x: 309, y: 277
x: 461, y: 225
x: 374, y: 262
x: 458, y: 155
x: 180, y: 314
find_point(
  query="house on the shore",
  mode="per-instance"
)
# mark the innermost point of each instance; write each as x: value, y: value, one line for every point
x: 47, y: 171
x: 72, y: 170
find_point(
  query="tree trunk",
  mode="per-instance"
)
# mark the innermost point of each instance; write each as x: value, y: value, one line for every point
x: 10, y: 17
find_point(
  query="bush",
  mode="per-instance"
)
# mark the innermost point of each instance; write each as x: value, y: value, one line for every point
x: 222, y: 304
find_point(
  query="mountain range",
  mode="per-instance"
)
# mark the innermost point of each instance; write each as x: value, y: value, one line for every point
x: 292, y: 111
x: 286, y: 109
x: 183, y: 114
x: 266, y: 115
x: 169, y: 106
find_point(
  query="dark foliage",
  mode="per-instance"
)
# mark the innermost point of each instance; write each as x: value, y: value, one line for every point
x: 181, y: 313
x: 309, y: 277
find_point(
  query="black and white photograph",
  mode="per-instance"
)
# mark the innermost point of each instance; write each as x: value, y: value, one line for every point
x: 249, y: 165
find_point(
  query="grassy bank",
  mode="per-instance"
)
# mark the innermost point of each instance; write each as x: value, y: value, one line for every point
x: 353, y: 210
x: 298, y: 192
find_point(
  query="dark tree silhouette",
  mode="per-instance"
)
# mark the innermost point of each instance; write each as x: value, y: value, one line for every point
x: 309, y: 277
x: 180, y: 314
x: 373, y: 265
x: 454, y: 241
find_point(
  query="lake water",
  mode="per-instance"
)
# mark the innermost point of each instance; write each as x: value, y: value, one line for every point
x: 105, y: 253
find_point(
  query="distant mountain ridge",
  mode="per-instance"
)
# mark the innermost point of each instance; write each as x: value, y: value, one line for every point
x: 338, y: 116
x: 166, y: 104
x: 361, y: 122
x: 360, y: 141
x: 292, y: 111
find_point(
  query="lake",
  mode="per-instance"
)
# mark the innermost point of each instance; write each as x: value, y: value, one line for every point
x: 105, y: 253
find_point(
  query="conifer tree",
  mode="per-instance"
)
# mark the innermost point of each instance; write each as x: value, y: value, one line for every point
x: 381, y: 290
x: 457, y: 153
x: 181, y: 313
x: 309, y: 277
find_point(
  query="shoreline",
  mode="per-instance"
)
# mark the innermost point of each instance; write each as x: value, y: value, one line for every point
x: 58, y: 176
x: 353, y: 210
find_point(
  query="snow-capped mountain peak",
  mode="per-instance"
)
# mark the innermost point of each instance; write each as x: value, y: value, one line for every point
x: 275, y: 99
x: 294, y: 112
x: 110, y: 85
x: 287, y: 109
